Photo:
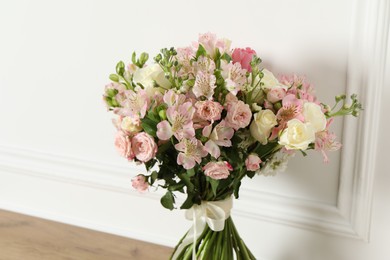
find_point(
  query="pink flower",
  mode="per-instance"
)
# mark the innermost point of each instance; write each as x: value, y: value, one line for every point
x: 208, y: 41
x: 220, y: 136
x: 252, y: 163
x: 123, y: 145
x: 325, y: 141
x: 204, y: 85
x: 244, y: 57
x: 209, y: 110
x: 144, y: 146
x: 292, y: 108
x: 191, y: 152
x: 139, y: 183
x: 179, y: 123
x: 134, y: 103
x: 239, y: 115
x: 217, y: 170
x: 235, y: 77
x: 276, y: 94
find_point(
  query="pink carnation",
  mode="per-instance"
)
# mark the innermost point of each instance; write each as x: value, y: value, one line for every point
x: 252, y: 163
x: 139, y: 183
x: 123, y: 145
x: 239, y: 115
x: 209, y: 110
x: 217, y: 170
x: 144, y: 146
x: 244, y: 57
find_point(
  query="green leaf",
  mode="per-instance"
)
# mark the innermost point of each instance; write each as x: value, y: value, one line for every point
x: 153, y: 177
x: 191, y: 172
x: 201, y: 51
x: 250, y: 174
x: 168, y: 200
x: 149, y: 126
x: 186, y: 179
x: 187, y: 204
x: 214, y: 185
x: 226, y: 57
x: 236, y: 187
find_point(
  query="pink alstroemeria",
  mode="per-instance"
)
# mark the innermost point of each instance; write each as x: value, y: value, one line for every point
x: 291, y: 108
x: 135, y: 103
x: 179, y: 123
x: 172, y: 99
x: 234, y: 76
x: 191, y: 151
x: 219, y: 136
x: 204, y: 85
x: 325, y: 142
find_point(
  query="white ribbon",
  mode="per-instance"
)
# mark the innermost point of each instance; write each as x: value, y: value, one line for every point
x: 212, y: 213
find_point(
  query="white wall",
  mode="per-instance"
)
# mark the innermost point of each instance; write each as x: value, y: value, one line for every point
x: 57, y: 158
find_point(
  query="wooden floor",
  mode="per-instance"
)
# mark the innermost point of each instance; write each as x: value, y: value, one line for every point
x: 28, y: 238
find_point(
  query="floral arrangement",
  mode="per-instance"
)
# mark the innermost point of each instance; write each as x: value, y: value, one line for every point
x: 202, y: 118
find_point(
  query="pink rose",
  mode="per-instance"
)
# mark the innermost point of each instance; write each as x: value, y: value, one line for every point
x: 139, y: 183
x: 123, y: 145
x: 276, y: 94
x: 217, y: 170
x: 239, y: 115
x: 209, y: 110
x: 144, y: 146
x: 252, y: 163
x: 244, y: 57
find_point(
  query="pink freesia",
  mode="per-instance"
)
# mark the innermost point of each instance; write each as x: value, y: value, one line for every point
x: 191, y: 151
x: 123, y: 145
x: 219, y: 136
x: 144, y: 146
x: 179, y: 123
x: 238, y: 115
x: 252, y: 162
x: 204, y: 85
x: 244, y: 57
x: 139, y: 183
x: 209, y: 110
x: 217, y: 170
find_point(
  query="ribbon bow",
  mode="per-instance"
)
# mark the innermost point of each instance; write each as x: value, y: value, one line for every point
x: 212, y: 213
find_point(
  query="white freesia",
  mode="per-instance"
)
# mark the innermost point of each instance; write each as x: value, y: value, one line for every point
x: 270, y: 81
x: 297, y: 135
x: 262, y: 125
x: 150, y: 74
x: 314, y: 115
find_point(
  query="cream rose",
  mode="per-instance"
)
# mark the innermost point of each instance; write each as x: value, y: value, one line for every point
x: 147, y: 75
x: 314, y: 115
x: 270, y: 81
x: 262, y: 125
x: 297, y: 135
x: 131, y: 124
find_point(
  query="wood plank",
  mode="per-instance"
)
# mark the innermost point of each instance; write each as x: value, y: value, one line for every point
x: 28, y: 238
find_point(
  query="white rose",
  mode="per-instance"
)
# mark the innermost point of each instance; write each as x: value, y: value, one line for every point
x: 131, y: 124
x: 270, y: 81
x: 262, y: 125
x: 313, y: 114
x: 147, y: 75
x: 297, y: 135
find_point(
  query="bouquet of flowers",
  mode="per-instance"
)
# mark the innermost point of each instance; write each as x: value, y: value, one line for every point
x: 202, y: 118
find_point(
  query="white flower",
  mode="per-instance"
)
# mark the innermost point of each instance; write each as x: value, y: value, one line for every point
x: 150, y: 74
x: 277, y: 164
x: 262, y: 125
x: 131, y: 124
x: 297, y: 135
x: 270, y: 81
x: 314, y: 115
